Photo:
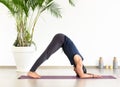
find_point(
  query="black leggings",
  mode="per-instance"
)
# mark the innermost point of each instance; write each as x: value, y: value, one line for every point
x: 59, y: 40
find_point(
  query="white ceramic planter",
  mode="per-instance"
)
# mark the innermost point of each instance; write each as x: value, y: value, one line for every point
x: 24, y: 58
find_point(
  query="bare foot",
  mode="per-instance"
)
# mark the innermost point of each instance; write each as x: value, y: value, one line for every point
x: 33, y: 75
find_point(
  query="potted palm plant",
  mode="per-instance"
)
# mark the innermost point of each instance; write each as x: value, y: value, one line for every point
x: 26, y: 14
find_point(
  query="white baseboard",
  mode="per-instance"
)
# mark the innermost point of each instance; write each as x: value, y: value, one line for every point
x: 50, y: 67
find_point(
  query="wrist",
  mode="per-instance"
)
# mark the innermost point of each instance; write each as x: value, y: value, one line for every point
x: 92, y: 75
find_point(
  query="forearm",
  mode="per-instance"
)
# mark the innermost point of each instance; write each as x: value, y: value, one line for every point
x: 87, y: 76
x: 81, y: 74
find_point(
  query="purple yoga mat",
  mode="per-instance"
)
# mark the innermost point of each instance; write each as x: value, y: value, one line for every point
x: 66, y: 77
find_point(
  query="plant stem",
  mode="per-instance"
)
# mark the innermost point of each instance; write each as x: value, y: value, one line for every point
x: 34, y: 23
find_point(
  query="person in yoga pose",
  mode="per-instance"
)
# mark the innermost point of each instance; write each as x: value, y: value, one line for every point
x: 62, y: 41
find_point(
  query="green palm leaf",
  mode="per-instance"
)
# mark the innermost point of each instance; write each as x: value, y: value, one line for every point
x: 21, y: 9
x: 54, y: 9
x: 9, y: 5
x: 72, y: 2
x: 22, y: 6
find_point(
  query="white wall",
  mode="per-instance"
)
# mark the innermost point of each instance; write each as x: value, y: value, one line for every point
x: 93, y: 25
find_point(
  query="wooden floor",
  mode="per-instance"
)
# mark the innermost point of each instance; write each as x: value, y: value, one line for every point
x: 9, y: 78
